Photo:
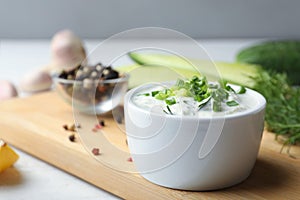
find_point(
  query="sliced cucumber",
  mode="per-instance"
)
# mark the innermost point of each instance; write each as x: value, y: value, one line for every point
x: 145, y: 74
x: 237, y: 73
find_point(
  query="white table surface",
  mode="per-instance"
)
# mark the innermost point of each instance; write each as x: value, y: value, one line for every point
x: 31, y: 178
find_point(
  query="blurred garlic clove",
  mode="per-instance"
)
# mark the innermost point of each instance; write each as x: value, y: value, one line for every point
x: 67, y: 51
x: 7, y: 90
x: 36, y: 81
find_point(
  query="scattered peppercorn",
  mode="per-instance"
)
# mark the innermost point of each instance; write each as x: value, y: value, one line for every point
x: 96, y: 151
x: 130, y: 159
x: 72, y: 138
x: 98, y: 126
x: 102, y: 123
x: 65, y: 126
x: 72, y: 128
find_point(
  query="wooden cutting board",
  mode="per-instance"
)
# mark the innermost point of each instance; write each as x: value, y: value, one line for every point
x: 34, y: 125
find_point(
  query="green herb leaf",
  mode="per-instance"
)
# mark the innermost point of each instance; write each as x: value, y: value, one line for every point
x: 229, y: 88
x: 164, y: 94
x: 144, y: 94
x: 169, y: 110
x: 242, y: 90
x: 232, y: 103
x: 283, y: 111
x: 153, y: 93
x: 170, y: 101
x: 203, y: 103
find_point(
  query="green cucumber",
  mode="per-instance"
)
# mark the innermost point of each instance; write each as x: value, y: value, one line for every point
x: 238, y: 73
x: 145, y: 74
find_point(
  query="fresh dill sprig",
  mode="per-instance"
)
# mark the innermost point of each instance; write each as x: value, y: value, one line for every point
x: 283, y: 105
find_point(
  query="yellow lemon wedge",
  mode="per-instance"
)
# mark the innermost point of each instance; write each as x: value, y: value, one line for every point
x: 7, y: 156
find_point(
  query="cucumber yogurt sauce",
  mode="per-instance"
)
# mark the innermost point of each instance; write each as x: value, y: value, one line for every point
x: 195, y: 97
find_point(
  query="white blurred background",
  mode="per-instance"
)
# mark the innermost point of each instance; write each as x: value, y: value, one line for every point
x: 196, y: 18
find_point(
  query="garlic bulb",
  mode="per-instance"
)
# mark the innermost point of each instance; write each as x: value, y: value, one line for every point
x: 36, y: 81
x: 67, y: 51
x: 7, y: 90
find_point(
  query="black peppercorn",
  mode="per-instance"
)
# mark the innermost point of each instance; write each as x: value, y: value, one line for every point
x: 72, y: 138
x: 102, y: 123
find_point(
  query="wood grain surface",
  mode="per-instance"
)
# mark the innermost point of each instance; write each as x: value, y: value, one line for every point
x: 34, y: 125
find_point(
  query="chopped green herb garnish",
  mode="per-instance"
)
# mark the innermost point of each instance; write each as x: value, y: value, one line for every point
x: 203, y: 103
x: 169, y: 110
x: 229, y: 88
x: 200, y: 90
x: 164, y: 94
x: 168, y: 107
x: 144, y: 94
x: 196, y: 88
x: 232, y: 103
x: 153, y: 93
x: 242, y: 90
x: 170, y: 101
x: 161, y: 96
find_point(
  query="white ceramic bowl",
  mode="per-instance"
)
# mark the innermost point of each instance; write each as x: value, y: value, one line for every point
x: 194, y: 153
